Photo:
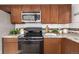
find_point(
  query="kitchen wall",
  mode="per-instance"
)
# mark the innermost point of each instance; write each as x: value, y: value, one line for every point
x: 5, y: 26
x: 75, y: 16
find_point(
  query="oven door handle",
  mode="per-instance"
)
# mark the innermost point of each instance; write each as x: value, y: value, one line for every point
x: 30, y: 40
x: 35, y: 40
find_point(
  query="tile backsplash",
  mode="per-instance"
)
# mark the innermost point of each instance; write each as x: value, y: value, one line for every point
x: 74, y: 25
x: 56, y: 25
x: 41, y: 25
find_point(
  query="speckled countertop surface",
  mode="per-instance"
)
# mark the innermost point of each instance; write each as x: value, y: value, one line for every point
x: 10, y: 36
x: 70, y: 36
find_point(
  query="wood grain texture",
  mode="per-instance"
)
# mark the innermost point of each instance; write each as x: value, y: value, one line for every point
x: 45, y: 14
x: 54, y: 14
x: 35, y: 7
x: 52, y: 46
x: 16, y: 14
x: 69, y: 47
x: 50, y: 14
x: 64, y: 14
x: 10, y: 46
x: 26, y: 8
x: 6, y: 8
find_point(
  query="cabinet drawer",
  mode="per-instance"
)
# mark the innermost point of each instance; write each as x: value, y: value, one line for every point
x: 10, y: 40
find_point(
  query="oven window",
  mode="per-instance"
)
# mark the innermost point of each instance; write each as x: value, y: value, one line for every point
x: 29, y: 47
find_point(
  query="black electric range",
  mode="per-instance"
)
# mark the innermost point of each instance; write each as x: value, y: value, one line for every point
x: 31, y: 42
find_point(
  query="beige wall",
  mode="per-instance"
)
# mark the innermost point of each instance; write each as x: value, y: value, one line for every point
x: 5, y: 26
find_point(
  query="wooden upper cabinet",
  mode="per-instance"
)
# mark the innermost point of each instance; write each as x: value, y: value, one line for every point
x: 54, y: 14
x: 64, y: 14
x: 45, y: 14
x: 50, y: 14
x: 26, y: 8
x: 52, y: 45
x: 5, y: 8
x: 35, y: 7
x: 16, y: 14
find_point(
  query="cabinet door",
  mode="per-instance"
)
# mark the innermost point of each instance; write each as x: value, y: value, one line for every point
x: 16, y: 14
x: 35, y: 7
x: 45, y: 14
x: 54, y: 14
x: 70, y: 47
x: 10, y: 46
x: 65, y: 46
x: 52, y: 46
x: 64, y: 14
x: 26, y: 8
x: 5, y: 8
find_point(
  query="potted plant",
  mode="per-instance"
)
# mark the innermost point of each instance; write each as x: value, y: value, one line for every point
x: 14, y: 32
x: 55, y: 31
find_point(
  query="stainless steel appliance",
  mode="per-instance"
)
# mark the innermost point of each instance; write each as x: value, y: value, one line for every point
x: 31, y: 42
x: 31, y: 16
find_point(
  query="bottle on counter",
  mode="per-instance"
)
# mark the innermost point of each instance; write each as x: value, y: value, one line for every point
x: 47, y: 29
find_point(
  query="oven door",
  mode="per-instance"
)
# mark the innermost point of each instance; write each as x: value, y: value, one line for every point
x: 31, y: 47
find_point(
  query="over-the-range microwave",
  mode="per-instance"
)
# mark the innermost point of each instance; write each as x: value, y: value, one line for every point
x: 31, y: 16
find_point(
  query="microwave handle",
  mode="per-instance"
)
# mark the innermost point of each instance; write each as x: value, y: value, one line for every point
x: 35, y: 17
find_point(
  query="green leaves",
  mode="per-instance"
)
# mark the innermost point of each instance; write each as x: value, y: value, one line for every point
x: 55, y: 31
x: 14, y: 31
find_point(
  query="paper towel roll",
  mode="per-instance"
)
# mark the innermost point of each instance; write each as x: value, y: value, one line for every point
x: 65, y: 30
x: 21, y: 31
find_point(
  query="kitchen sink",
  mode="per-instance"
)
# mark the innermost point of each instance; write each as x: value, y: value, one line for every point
x: 76, y: 38
x: 51, y: 34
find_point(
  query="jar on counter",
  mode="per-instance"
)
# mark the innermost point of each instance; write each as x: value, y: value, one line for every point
x: 60, y: 31
x: 21, y: 31
x: 65, y: 31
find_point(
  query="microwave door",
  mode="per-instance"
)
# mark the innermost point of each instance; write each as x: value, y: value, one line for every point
x: 28, y: 17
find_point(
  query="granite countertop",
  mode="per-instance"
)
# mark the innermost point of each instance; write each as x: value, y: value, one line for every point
x: 72, y: 36
x: 10, y: 36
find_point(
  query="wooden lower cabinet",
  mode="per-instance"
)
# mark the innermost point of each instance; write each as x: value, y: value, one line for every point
x: 60, y: 46
x: 10, y: 45
x: 69, y: 47
x: 52, y: 46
